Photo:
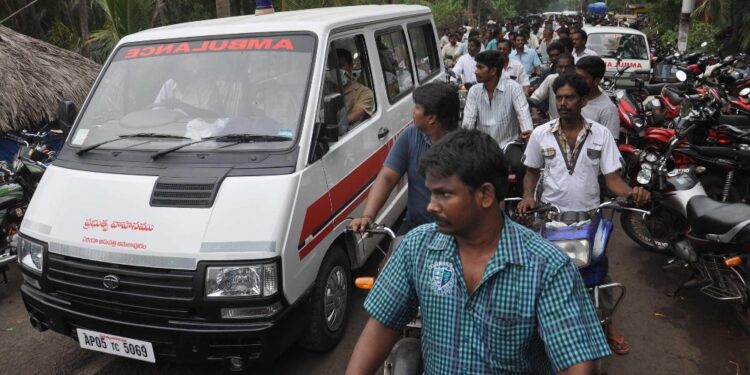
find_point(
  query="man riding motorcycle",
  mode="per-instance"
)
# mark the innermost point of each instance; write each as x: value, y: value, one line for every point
x: 573, y: 151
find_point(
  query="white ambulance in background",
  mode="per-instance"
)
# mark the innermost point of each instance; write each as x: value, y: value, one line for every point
x: 629, y: 44
x: 197, y: 210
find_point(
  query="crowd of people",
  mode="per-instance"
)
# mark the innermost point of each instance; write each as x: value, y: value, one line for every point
x: 461, y: 260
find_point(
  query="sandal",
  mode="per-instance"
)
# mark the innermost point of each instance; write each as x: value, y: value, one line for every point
x: 618, y: 345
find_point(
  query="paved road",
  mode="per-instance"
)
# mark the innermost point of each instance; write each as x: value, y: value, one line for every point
x: 688, y: 334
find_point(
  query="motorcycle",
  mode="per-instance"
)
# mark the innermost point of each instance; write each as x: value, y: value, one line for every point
x: 18, y: 181
x: 406, y: 356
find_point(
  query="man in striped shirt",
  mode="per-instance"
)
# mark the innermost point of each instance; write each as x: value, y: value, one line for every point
x: 498, y: 107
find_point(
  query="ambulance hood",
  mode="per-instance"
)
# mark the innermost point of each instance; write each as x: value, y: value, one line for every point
x: 108, y: 217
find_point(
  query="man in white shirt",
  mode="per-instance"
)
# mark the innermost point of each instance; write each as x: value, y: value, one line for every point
x: 465, y: 66
x: 451, y: 49
x: 497, y: 106
x: 573, y: 151
x: 599, y: 107
x: 545, y: 92
x: 579, y: 39
x: 513, y: 70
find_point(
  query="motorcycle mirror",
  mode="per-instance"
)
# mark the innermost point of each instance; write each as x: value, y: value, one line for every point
x: 704, y: 44
x: 745, y: 91
x: 681, y: 76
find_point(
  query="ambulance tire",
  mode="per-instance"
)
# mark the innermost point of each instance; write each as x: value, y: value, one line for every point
x: 333, y: 288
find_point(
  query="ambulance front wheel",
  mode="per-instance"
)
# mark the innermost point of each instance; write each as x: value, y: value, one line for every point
x: 330, y: 302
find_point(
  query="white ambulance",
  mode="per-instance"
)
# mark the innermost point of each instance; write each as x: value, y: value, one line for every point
x: 630, y: 45
x: 197, y: 210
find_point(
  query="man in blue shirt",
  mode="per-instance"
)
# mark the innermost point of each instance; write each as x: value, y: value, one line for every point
x: 494, y: 296
x: 435, y: 114
x: 526, y: 56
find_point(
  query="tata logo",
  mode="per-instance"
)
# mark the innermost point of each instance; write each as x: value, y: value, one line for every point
x: 111, y: 282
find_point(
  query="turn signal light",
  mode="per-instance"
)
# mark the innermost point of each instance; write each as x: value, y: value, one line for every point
x: 365, y: 283
x: 700, y: 169
x: 733, y: 262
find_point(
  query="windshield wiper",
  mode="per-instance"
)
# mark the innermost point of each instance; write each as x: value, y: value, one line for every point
x: 238, y: 138
x: 88, y: 148
x: 234, y: 138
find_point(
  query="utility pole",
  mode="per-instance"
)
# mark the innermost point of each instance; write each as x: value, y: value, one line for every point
x: 682, y: 35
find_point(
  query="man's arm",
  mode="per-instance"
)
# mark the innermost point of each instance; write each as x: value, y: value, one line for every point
x: 382, y: 187
x: 471, y: 108
x: 372, y: 348
x: 521, y: 106
x: 583, y: 368
x: 617, y: 186
x: 530, y: 179
x: 355, y: 115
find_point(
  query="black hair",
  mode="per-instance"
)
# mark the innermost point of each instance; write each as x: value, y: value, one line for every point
x: 574, y: 81
x: 567, y: 43
x: 439, y: 99
x: 473, y: 33
x: 506, y: 41
x: 563, y: 30
x: 580, y: 31
x: 566, y: 56
x: 344, y: 54
x: 472, y: 156
x: 491, y: 59
x: 476, y: 41
x: 556, y: 46
x: 593, y: 65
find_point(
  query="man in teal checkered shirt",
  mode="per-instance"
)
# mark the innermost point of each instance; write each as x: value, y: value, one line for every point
x: 495, y: 297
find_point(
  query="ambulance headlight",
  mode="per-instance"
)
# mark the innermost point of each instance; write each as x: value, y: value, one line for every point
x: 241, y: 281
x: 577, y: 250
x: 31, y: 255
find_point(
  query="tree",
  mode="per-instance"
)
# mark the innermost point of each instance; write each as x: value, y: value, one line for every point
x: 731, y: 15
x: 122, y: 17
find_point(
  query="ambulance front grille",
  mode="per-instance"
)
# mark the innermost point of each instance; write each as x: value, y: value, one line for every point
x: 138, y: 292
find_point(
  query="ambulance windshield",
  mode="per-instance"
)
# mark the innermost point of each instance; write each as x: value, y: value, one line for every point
x: 192, y: 90
x: 628, y: 46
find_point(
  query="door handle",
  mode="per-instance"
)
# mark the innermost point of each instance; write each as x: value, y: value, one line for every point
x: 383, y: 132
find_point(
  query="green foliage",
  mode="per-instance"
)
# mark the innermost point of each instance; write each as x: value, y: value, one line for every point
x: 122, y: 17
x: 447, y: 13
x: 699, y: 32
x: 64, y: 36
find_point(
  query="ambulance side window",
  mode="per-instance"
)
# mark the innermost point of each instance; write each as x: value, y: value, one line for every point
x: 348, y: 74
x: 395, y: 62
x: 424, y: 48
x: 348, y: 78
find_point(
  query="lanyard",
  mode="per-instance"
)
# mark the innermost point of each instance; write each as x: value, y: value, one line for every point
x: 571, y: 164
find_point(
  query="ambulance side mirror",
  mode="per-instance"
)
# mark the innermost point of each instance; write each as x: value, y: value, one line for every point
x: 66, y: 115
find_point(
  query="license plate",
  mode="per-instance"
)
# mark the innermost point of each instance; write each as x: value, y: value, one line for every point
x: 117, y: 345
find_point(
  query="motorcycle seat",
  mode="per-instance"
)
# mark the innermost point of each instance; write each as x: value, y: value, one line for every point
x: 674, y: 94
x: 707, y: 216
x: 6, y: 202
x: 724, y: 152
x: 738, y: 121
x: 655, y: 88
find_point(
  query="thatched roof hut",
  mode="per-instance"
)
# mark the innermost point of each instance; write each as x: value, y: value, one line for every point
x: 35, y: 76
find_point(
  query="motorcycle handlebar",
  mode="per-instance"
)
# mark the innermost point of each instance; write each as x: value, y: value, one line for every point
x: 375, y: 228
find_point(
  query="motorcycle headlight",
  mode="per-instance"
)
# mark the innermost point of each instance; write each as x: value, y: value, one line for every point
x: 31, y: 255
x: 644, y: 175
x: 578, y: 250
x: 651, y: 157
x: 241, y: 281
x: 639, y: 123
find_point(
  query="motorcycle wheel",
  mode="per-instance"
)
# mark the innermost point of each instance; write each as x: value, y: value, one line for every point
x: 741, y: 308
x: 651, y: 234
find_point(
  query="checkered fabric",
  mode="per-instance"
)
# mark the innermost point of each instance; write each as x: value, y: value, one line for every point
x: 530, y: 312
